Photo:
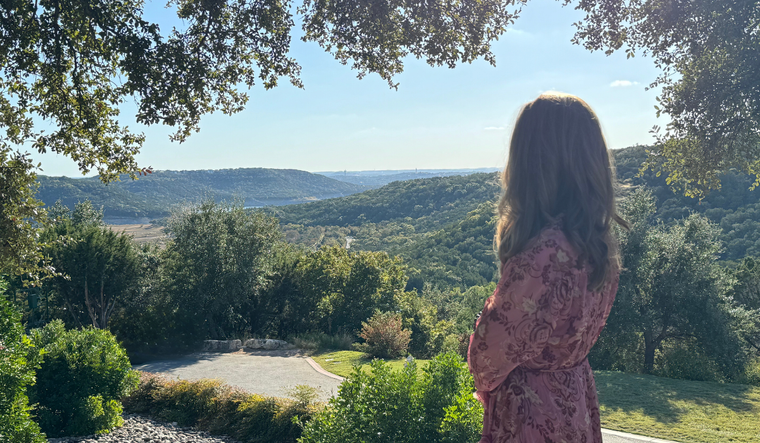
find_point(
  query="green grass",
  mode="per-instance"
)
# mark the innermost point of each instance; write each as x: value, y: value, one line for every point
x: 342, y: 362
x: 680, y: 410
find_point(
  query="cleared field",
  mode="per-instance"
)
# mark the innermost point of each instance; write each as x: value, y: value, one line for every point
x: 142, y: 233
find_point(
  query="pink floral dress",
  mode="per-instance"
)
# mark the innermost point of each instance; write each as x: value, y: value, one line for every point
x: 528, y: 352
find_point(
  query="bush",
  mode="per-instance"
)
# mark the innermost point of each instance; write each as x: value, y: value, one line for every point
x: 685, y: 360
x: 79, y: 384
x: 18, y: 359
x: 752, y: 373
x: 221, y: 409
x: 381, y: 405
x: 384, y: 336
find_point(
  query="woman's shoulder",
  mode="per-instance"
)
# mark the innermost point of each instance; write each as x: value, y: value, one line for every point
x: 552, y: 240
x: 549, y: 247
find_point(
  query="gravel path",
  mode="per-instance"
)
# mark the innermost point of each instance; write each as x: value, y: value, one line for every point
x: 262, y: 372
x: 138, y: 429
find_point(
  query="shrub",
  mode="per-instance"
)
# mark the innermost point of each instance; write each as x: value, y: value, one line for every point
x: 304, y: 395
x: 685, y: 360
x: 18, y: 359
x: 384, y: 336
x: 79, y: 384
x: 752, y: 373
x: 221, y: 409
x: 381, y: 405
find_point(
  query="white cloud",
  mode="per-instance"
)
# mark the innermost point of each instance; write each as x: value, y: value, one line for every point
x: 494, y: 128
x: 623, y: 83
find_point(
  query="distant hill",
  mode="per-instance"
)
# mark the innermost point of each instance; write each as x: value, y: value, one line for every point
x: 376, y: 179
x: 154, y: 195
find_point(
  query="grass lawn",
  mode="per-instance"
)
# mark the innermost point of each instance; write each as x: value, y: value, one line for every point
x: 341, y: 362
x: 680, y: 410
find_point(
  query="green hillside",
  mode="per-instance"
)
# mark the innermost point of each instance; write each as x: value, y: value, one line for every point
x: 430, y: 203
x: 152, y: 196
x: 443, y: 227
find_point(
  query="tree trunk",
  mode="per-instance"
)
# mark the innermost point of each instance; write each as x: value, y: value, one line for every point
x: 650, y: 345
x: 212, y: 329
x: 90, y: 307
x: 103, y: 307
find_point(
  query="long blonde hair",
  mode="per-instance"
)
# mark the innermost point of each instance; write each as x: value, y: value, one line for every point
x: 559, y: 165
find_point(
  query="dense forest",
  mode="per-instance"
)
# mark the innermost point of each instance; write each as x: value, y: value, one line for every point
x: 443, y: 227
x: 152, y: 196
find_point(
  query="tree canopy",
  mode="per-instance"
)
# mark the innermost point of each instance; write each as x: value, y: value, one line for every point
x: 68, y: 66
x: 709, y: 54
x: 73, y: 63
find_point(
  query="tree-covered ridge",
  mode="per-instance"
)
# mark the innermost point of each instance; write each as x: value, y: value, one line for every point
x: 431, y: 203
x: 734, y: 207
x: 153, y: 195
x: 459, y: 255
x: 443, y: 227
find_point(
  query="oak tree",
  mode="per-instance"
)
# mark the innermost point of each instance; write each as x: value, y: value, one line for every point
x: 709, y: 55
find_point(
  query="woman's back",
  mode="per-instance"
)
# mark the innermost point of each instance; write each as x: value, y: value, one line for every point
x: 560, y: 265
x: 528, y: 352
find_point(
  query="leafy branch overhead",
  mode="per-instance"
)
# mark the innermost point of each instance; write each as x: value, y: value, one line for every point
x: 73, y: 63
x: 709, y: 54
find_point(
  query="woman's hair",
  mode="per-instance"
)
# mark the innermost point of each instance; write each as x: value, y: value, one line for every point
x: 559, y: 165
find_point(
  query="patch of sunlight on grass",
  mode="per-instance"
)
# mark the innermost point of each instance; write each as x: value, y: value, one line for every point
x: 342, y: 362
x: 681, y: 410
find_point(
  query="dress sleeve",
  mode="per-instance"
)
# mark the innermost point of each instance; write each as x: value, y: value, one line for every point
x: 533, y: 296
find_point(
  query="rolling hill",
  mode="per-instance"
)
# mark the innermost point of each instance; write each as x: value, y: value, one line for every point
x: 154, y: 195
x: 443, y: 226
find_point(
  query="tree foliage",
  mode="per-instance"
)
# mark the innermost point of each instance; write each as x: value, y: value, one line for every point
x: 671, y: 289
x: 332, y: 290
x: 218, y: 263
x: 746, y: 294
x: 98, y: 267
x: 73, y: 64
x: 708, y: 53
x: 20, y: 216
x: 18, y: 360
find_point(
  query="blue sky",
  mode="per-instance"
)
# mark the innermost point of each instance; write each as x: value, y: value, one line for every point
x: 438, y: 117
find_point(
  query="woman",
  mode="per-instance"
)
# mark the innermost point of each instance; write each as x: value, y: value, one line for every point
x: 560, y: 267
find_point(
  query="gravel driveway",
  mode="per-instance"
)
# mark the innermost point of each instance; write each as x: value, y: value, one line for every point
x: 260, y: 372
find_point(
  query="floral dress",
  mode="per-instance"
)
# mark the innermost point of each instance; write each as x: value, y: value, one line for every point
x: 528, y: 352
